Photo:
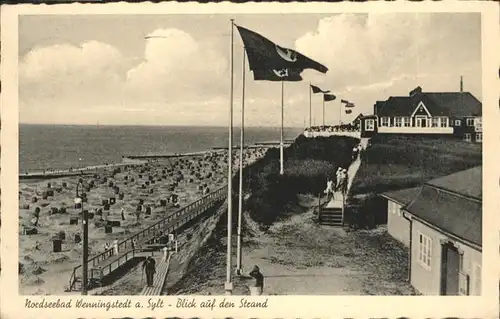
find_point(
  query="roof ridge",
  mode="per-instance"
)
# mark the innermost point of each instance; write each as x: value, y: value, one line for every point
x: 476, y: 199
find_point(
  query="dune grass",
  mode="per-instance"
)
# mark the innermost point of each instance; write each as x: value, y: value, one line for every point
x: 307, y: 164
x: 398, y: 162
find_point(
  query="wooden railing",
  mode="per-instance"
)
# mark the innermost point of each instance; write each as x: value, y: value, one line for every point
x: 181, y: 216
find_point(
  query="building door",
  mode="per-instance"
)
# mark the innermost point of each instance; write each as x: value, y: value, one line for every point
x: 450, y: 270
x: 421, y: 121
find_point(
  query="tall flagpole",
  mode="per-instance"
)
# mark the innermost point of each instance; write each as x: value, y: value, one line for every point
x: 240, y: 203
x: 310, y: 105
x: 281, y: 141
x: 228, y: 287
x: 340, y: 114
x: 323, y: 110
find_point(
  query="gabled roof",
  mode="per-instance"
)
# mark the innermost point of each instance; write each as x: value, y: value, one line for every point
x: 453, y: 214
x: 467, y: 183
x: 459, y: 104
x: 396, y: 106
x: 360, y: 116
x: 402, y: 196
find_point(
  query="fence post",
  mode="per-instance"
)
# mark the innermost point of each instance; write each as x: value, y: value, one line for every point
x: 319, y: 208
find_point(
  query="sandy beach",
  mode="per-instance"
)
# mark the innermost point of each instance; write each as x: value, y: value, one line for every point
x: 43, y: 271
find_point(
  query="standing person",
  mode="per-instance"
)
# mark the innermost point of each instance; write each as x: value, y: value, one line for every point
x: 149, y: 266
x: 258, y: 289
x: 355, y: 152
x: 345, y: 181
x: 329, y: 189
x: 115, y: 246
x: 122, y: 212
x: 339, y: 178
x: 138, y: 214
x: 165, y: 253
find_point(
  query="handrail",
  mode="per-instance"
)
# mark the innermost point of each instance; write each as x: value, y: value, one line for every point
x: 213, y: 196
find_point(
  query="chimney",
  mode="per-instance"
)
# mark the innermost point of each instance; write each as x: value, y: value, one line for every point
x: 416, y: 90
x: 461, y: 84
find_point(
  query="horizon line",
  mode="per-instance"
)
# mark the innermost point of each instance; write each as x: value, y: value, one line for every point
x: 158, y: 125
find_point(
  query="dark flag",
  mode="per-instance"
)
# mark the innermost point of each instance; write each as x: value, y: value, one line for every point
x: 348, y: 111
x: 290, y: 75
x: 349, y: 104
x: 328, y: 97
x: 316, y: 89
x: 264, y: 54
x: 344, y: 101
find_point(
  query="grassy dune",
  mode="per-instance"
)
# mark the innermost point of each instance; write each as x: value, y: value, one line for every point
x: 393, y: 163
x: 308, y: 163
x: 398, y: 162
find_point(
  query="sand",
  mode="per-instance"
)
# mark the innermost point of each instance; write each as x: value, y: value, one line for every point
x: 43, y: 271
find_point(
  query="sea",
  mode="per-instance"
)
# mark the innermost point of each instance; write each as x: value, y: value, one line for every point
x: 43, y: 147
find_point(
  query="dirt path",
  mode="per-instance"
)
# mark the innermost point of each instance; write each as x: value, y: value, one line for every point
x: 299, y: 257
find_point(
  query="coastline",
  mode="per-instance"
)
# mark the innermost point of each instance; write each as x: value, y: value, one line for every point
x: 44, y: 271
x: 138, y: 160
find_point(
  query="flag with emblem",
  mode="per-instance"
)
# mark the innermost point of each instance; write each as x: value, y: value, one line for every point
x: 328, y: 97
x: 263, y: 54
x: 290, y: 75
x: 316, y: 89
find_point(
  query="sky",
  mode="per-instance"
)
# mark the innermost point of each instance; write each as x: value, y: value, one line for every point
x: 100, y: 69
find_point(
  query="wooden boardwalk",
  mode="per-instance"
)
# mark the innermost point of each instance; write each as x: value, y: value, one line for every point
x: 105, y: 263
x: 159, y: 279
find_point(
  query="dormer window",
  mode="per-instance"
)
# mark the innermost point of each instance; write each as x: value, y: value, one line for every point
x: 470, y: 122
x: 458, y: 123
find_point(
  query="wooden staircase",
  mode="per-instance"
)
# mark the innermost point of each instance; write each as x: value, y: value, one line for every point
x: 332, y: 213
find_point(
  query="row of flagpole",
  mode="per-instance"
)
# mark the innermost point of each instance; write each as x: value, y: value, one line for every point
x: 278, y: 69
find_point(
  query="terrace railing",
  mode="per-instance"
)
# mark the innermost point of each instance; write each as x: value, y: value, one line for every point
x: 176, y: 219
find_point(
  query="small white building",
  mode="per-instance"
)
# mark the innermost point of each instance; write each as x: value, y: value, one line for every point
x: 441, y: 224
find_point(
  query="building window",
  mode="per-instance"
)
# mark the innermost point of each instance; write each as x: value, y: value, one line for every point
x: 458, y: 123
x: 479, y: 137
x: 370, y: 125
x: 477, y: 279
x: 478, y: 124
x: 435, y: 122
x: 398, y: 122
x: 470, y: 122
x: 406, y: 121
x: 384, y: 121
x: 467, y: 137
x: 443, y: 121
x: 425, y: 251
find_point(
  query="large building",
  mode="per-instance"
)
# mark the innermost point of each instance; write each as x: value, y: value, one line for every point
x: 441, y: 224
x: 457, y: 114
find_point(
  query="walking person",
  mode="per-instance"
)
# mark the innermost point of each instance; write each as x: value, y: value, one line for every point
x: 258, y: 288
x: 339, y: 178
x: 149, y: 266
